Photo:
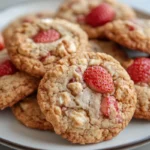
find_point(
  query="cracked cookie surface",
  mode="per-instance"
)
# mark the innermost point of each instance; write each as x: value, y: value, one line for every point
x: 77, y: 10
x: 9, y: 30
x: 88, y: 98
x: 38, y: 45
x: 133, y: 34
x: 14, y: 87
x: 28, y: 113
x: 110, y: 48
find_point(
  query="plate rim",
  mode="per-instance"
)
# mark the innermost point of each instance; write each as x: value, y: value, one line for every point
x: 132, y: 145
x: 11, y: 144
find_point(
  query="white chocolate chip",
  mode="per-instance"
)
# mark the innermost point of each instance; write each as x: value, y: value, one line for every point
x: 79, y: 121
x: 111, y: 69
x: 64, y: 98
x: 29, y: 40
x: 24, y: 106
x: 94, y: 62
x: 61, y: 50
x: 79, y: 118
x: 60, y: 100
x: 47, y: 20
x: 76, y: 88
x: 72, y: 47
x: 57, y: 111
x: 78, y: 76
x: 82, y: 61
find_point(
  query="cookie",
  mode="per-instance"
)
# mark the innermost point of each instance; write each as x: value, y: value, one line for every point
x: 110, y: 48
x: 36, y: 46
x: 93, y: 15
x: 88, y: 97
x: 9, y: 30
x: 139, y: 70
x: 133, y: 34
x: 14, y: 85
x: 28, y: 113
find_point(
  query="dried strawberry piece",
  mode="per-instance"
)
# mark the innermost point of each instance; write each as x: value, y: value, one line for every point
x: 99, y: 79
x: 107, y: 103
x: 48, y: 36
x: 139, y: 71
x: 81, y: 19
x: 72, y: 80
x: 119, y: 118
x: 42, y: 59
x: 2, y: 45
x: 79, y: 71
x: 131, y: 28
x: 100, y: 15
x: 7, y: 68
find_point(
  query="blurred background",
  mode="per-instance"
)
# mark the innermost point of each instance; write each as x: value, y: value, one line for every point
x: 140, y: 4
x: 143, y: 5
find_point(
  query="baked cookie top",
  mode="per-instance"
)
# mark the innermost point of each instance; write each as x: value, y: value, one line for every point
x: 134, y: 34
x: 14, y: 85
x: 9, y: 30
x: 139, y: 70
x: 87, y: 97
x: 110, y: 48
x: 37, y: 45
x: 28, y: 113
x: 92, y: 15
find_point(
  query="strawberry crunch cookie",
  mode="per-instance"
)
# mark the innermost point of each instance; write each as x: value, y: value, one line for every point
x: 87, y: 97
x: 36, y: 46
x: 134, y: 34
x: 14, y: 85
x: 93, y: 15
x: 9, y: 30
x: 110, y: 48
x: 139, y: 71
x: 28, y: 113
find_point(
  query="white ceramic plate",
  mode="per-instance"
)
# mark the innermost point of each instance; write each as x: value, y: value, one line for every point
x: 14, y: 134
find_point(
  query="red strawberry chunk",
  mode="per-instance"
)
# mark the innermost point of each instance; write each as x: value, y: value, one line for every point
x: 79, y: 71
x: 42, y: 59
x: 98, y: 79
x: 81, y: 19
x: 119, y: 118
x: 131, y: 28
x: 100, y: 15
x: 139, y: 71
x: 7, y: 68
x: 72, y: 80
x: 48, y: 36
x: 2, y: 46
x: 106, y: 105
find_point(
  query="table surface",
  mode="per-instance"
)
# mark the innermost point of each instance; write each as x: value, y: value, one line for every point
x: 139, y: 4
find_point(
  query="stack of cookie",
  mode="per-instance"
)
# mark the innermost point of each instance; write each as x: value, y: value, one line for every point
x: 56, y: 79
